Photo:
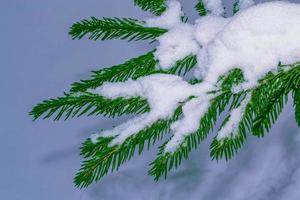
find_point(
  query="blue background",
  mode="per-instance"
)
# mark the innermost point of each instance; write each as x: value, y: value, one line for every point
x: 38, y: 160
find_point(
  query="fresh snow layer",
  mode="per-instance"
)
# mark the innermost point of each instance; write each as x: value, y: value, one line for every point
x: 255, y: 40
x: 192, y: 113
x: 236, y: 115
x: 207, y: 27
x: 170, y: 18
x: 164, y: 93
x: 214, y: 7
x: 176, y: 44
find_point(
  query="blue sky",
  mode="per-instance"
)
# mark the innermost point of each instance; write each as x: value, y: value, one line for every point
x: 38, y: 160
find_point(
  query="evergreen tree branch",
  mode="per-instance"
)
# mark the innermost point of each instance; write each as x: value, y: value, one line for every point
x: 90, y: 104
x: 102, y: 158
x: 114, y: 28
x: 268, y: 105
x: 267, y: 102
x: 296, y: 97
x: 200, y: 7
x: 137, y: 67
x: 183, y: 66
x: 76, y: 105
x: 134, y: 68
x: 259, y: 116
x: 157, y: 7
x: 229, y: 146
x: 165, y: 162
x: 270, y: 97
x: 236, y: 7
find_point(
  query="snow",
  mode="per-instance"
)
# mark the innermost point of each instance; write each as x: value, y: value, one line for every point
x: 163, y: 92
x: 192, y: 113
x: 170, y: 18
x: 207, y: 27
x: 176, y: 44
x: 240, y: 41
x: 255, y: 40
x: 214, y: 7
x: 230, y: 129
x: 253, y: 43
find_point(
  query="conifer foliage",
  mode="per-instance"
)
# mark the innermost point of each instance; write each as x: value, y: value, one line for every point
x: 264, y: 102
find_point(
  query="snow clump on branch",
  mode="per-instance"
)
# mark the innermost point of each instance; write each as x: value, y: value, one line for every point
x: 254, y: 40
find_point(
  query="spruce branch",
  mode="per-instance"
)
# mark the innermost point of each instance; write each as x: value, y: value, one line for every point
x: 134, y: 68
x: 270, y: 97
x: 157, y: 7
x: 166, y: 161
x: 296, y: 96
x: 102, y: 158
x: 236, y: 7
x: 114, y: 28
x: 200, y: 7
x: 137, y: 67
x: 229, y: 146
x: 90, y: 104
x: 183, y: 66
x: 266, y: 103
x: 255, y: 120
x: 72, y: 104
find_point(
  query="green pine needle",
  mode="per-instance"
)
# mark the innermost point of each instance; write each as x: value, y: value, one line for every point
x: 157, y: 7
x: 200, y: 7
x: 183, y: 66
x: 114, y: 28
x: 137, y: 67
x: 228, y: 147
x: 235, y: 6
x: 296, y: 96
x: 267, y: 102
x: 90, y: 104
x: 267, y: 108
x: 101, y: 158
x: 134, y: 68
x: 165, y: 162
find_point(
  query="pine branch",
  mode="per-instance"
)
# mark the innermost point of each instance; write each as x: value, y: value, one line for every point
x: 296, y: 96
x: 235, y: 8
x: 267, y: 102
x: 229, y: 146
x: 90, y: 104
x: 255, y: 119
x: 76, y: 105
x: 134, y: 68
x: 200, y: 7
x: 268, y: 105
x: 101, y: 158
x: 114, y: 28
x: 183, y: 66
x: 270, y: 97
x: 164, y: 162
x: 157, y: 7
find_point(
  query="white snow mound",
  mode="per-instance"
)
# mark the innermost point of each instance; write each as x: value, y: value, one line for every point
x: 255, y: 40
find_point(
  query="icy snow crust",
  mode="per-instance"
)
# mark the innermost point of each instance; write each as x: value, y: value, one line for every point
x: 255, y: 40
